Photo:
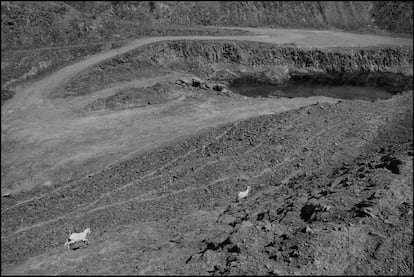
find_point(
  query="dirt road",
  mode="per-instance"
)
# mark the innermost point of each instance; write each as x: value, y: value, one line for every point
x: 302, y: 38
x: 142, y: 172
x: 39, y: 137
x: 328, y: 169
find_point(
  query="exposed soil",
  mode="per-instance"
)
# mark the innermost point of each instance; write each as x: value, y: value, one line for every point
x: 27, y: 25
x: 243, y: 59
x: 23, y: 66
x: 34, y: 24
x: 26, y: 65
x: 51, y: 152
x: 146, y: 145
x: 345, y: 208
x: 160, y: 93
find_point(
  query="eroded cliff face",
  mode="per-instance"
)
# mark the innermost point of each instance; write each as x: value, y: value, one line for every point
x: 27, y: 25
x: 258, y: 54
x: 43, y: 24
x: 395, y: 16
x: 227, y: 60
x: 237, y: 13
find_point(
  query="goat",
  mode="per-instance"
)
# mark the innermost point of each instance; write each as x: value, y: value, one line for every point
x: 243, y: 194
x: 6, y: 194
x: 75, y: 237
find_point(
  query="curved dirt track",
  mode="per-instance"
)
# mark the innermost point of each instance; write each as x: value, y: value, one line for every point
x: 302, y: 38
x: 278, y: 155
x: 32, y: 120
x: 149, y: 178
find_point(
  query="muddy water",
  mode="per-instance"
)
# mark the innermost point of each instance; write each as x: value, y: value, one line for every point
x: 354, y: 87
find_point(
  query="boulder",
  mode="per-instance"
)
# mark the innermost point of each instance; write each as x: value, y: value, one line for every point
x: 219, y: 87
x: 196, y: 82
x: 185, y: 81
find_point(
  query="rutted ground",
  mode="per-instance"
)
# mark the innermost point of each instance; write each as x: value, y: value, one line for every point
x: 47, y: 142
x: 19, y: 66
x: 163, y: 178
x: 311, y: 209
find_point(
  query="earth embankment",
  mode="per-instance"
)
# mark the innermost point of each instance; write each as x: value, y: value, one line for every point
x: 156, y: 182
x: 228, y: 60
x: 39, y: 24
x: 328, y: 175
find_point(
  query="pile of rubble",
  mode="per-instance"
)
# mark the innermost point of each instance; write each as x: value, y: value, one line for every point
x: 203, y: 84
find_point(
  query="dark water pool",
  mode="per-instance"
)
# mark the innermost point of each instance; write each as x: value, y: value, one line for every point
x: 357, y: 86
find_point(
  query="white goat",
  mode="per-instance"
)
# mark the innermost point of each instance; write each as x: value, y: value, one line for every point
x: 243, y: 194
x: 75, y: 237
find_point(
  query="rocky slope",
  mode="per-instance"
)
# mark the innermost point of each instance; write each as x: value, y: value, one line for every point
x: 40, y: 24
x: 93, y: 26
x: 391, y: 15
x: 226, y: 60
x: 331, y: 194
x: 146, y: 146
x: 27, y: 25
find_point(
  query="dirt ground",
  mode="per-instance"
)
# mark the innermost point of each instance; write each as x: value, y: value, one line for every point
x: 45, y: 142
x: 331, y: 180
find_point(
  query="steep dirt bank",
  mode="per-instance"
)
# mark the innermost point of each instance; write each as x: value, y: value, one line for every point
x: 37, y: 24
x: 23, y: 66
x: 233, y: 13
x: 395, y: 16
x: 157, y: 187
x: 227, y: 60
x: 33, y: 124
x: 331, y: 193
x: 27, y: 25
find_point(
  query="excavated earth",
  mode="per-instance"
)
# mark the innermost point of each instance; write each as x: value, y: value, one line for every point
x: 331, y: 179
x: 331, y: 194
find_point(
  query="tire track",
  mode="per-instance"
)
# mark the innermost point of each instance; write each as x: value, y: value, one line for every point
x: 139, y: 199
x: 82, y: 211
x: 120, y: 161
x: 29, y: 96
x: 149, y: 175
